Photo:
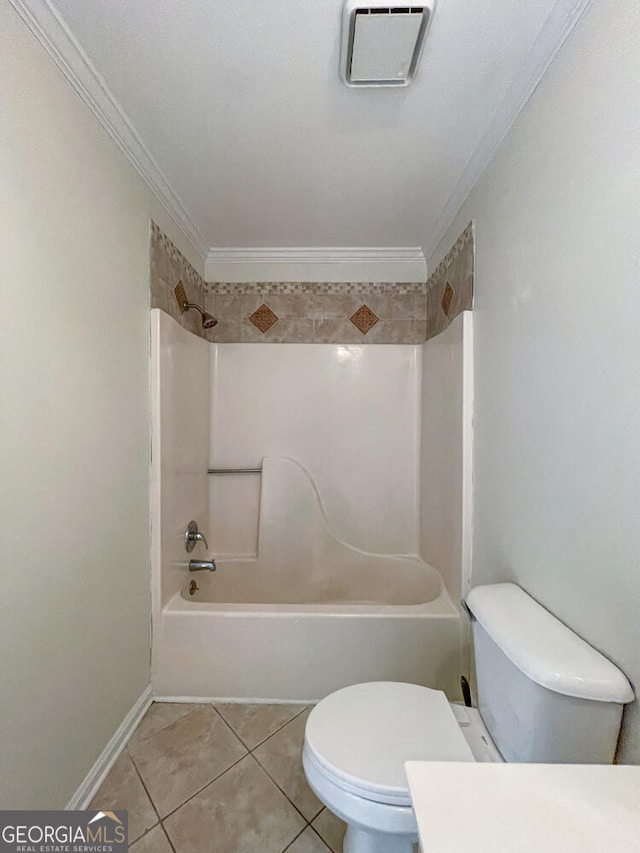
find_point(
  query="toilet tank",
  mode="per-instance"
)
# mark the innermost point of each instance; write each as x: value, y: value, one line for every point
x: 545, y: 695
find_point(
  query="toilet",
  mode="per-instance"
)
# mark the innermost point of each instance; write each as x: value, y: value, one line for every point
x: 544, y: 696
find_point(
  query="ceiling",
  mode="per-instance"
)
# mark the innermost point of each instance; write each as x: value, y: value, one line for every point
x: 241, y: 108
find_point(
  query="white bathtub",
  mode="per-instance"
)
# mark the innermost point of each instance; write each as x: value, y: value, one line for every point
x: 308, y: 615
x: 215, y: 646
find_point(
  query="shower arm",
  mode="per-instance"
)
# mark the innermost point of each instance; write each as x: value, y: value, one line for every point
x: 187, y: 305
x: 207, y: 320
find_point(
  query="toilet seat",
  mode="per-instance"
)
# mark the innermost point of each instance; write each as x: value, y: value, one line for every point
x: 360, y: 737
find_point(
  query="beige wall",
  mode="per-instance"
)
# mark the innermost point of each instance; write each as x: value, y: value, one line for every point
x: 74, y: 430
x: 557, y: 345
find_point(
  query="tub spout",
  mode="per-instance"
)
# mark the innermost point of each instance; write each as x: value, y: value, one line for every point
x: 202, y: 565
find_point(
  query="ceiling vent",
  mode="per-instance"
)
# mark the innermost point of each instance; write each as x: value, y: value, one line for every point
x: 382, y: 44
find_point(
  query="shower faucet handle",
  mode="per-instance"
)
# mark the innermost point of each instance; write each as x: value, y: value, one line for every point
x: 192, y: 536
x: 202, y: 566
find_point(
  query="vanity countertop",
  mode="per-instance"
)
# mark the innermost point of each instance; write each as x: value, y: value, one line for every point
x: 526, y: 808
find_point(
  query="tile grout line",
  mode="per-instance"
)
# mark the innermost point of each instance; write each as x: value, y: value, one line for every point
x: 316, y: 833
x: 162, y: 819
x: 284, y: 793
x: 137, y: 769
x: 200, y: 790
x: 264, y: 770
x: 172, y: 723
x: 293, y: 840
x: 230, y: 727
x: 166, y: 835
x: 162, y: 829
x: 284, y: 725
x: 268, y: 737
x: 153, y: 805
x: 262, y: 767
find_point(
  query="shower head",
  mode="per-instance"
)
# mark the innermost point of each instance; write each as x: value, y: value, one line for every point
x: 208, y: 322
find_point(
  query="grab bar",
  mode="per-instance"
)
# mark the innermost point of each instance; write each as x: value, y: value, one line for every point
x: 234, y: 470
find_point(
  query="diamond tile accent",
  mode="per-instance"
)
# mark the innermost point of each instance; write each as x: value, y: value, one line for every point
x: 364, y: 319
x: 263, y: 318
x: 447, y: 298
x: 181, y: 295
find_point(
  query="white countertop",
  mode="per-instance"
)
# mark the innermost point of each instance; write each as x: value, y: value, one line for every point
x: 525, y: 808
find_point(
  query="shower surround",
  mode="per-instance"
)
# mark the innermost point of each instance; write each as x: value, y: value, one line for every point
x: 319, y: 581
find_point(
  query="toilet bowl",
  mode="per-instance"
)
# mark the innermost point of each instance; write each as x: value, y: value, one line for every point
x: 356, y: 743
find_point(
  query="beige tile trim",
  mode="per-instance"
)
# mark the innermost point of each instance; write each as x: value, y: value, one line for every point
x: 465, y: 239
x: 450, y: 287
x: 168, y: 269
x: 319, y: 288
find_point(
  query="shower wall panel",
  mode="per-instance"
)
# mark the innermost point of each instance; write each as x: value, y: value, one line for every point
x: 348, y: 414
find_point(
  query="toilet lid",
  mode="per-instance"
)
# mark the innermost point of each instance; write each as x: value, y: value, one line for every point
x: 363, y: 734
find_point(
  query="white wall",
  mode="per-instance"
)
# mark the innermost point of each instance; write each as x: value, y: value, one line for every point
x: 74, y: 430
x: 349, y: 414
x: 445, y: 453
x: 557, y: 346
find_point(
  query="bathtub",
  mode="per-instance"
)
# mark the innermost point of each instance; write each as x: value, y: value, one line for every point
x: 308, y: 615
x: 238, y: 638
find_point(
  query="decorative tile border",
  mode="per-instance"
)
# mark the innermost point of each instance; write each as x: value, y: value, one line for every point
x: 323, y: 288
x: 311, y: 312
x: 450, y: 286
x: 318, y: 316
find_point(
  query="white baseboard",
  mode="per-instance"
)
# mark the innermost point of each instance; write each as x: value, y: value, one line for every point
x: 96, y: 776
x: 248, y: 700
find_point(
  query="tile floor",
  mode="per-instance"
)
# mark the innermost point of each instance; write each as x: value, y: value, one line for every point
x: 219, y: 779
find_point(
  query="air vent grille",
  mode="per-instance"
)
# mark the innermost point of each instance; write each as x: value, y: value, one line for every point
x: 382, y: 44
x: 390, y: 10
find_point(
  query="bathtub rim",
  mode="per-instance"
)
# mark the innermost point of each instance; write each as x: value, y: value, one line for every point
x: 442, y: 606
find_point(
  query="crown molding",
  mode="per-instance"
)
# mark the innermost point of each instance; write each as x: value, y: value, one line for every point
x: 316, y: 264
x: 56, y: 38
x: 555, y: 31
